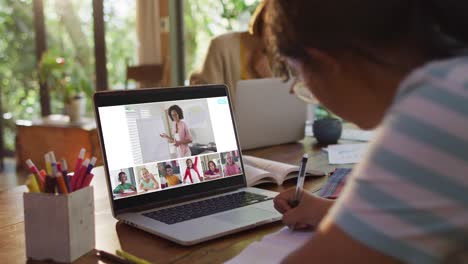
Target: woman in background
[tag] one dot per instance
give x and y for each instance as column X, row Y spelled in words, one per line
column 182, row 136
column 236, row 56
column 400, row 65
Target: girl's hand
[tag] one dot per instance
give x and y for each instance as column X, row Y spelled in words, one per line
column 307, row 214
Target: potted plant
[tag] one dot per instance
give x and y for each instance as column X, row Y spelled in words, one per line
column 327, row 127
column 76, row 89
column 67, row 82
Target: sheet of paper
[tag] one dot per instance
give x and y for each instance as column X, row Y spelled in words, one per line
column 272, row 248
column 308, row 130
column 357, row 134
column 346, row 153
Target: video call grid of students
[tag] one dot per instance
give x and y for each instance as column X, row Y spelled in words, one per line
column 190, row 126
column 164, row 175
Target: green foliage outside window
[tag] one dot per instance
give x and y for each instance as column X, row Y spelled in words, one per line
column 65, row 79
column 18, row 86
column 69, row 29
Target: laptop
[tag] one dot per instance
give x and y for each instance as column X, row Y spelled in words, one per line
column 159, row 186
column 265, row 107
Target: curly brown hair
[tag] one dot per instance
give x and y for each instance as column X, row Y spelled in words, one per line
column 178, row 111
column 437, row 28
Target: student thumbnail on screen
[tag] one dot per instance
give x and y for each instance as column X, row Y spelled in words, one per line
column 123, row 183
column 231, row 163
column 211, row 167
column 192, row 170
column 169, row 174
column 148, row 177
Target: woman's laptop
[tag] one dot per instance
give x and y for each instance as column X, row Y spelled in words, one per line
column 265, row 107
column 151, row 183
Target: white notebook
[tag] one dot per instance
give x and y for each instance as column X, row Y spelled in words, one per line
column 272, row 248
column 346, row 153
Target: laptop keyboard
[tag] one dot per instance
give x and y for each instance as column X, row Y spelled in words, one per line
column 202, row 208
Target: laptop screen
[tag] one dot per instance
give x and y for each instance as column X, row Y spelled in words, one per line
column 163, row 144
column 157, row 147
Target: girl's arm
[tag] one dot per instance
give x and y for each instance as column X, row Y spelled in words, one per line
column 118, row 189
column 156, row 184
column 187, row 172
column 238, row 168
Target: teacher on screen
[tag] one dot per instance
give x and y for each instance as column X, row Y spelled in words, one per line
column 181, row 133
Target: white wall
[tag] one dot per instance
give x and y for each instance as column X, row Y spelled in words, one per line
column 116, row 137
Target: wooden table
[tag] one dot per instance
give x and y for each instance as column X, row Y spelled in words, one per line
column 111, row 235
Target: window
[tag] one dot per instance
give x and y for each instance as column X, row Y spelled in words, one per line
column 18, row 84
column 69, row 36
column 205, row 19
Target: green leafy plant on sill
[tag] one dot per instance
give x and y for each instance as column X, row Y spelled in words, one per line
column 322, row 112
column 65, row 79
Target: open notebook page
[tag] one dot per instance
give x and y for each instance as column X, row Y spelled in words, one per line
column 276, row 167
column 272, row 248
column 256, row 175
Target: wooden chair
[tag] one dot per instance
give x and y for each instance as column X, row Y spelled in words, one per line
column 148, row 75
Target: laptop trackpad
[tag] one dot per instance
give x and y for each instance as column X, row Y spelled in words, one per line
column 246, row 215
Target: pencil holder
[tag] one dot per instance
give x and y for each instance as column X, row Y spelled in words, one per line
column 59, row 227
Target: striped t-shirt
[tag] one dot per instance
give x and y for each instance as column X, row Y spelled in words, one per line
column 409, row 197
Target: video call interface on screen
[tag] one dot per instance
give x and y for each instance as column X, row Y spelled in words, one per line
column 154, row 147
